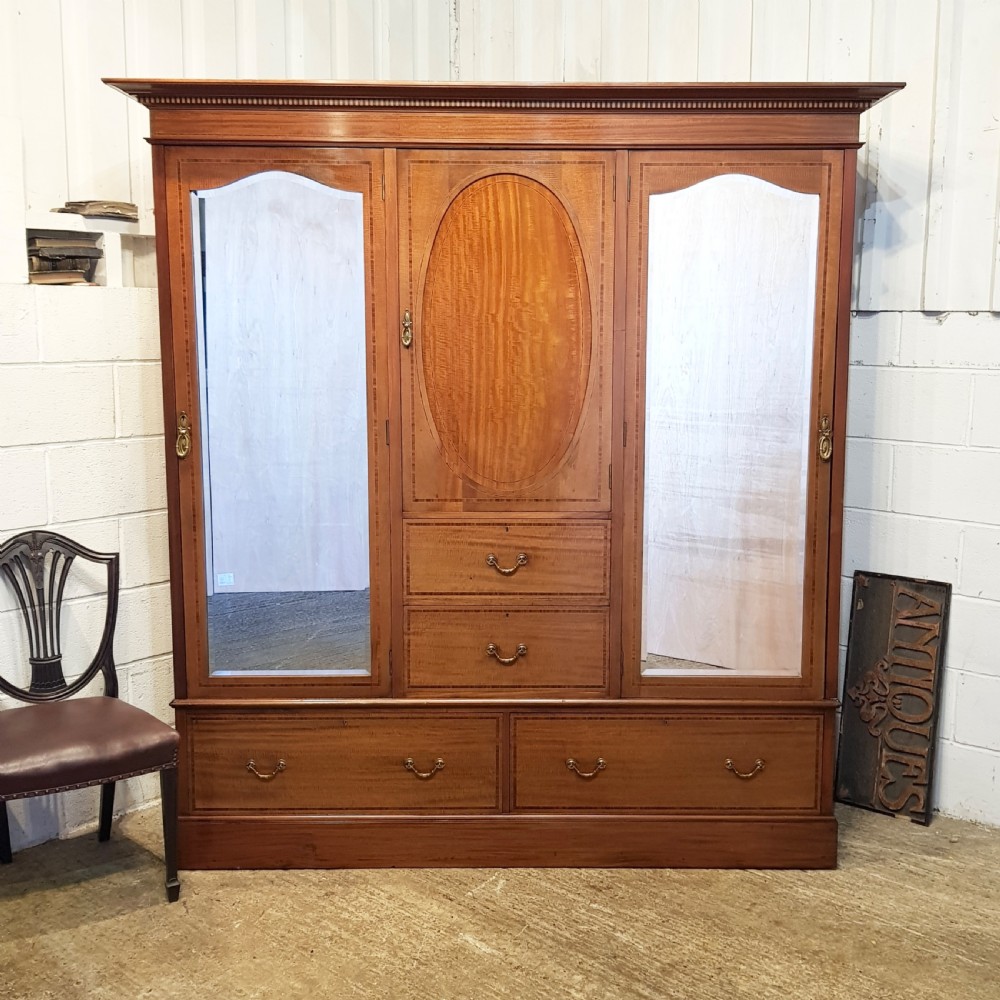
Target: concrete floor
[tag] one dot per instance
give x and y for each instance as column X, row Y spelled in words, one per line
column 911, row 913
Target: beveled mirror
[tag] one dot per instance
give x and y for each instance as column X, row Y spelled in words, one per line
column 280, row 306
column 731, row 298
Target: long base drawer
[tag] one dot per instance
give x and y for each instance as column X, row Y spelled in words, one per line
column 344, row 761
column 683, row 762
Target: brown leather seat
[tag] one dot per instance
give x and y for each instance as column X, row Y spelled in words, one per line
column 58, row 742
column 99, row 739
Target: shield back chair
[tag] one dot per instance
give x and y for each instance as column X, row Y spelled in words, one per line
column 57, row 742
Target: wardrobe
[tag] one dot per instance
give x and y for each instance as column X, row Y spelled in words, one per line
column 505, row 434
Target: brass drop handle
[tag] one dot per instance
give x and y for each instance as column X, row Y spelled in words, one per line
column 183, row 446
column 825, row 446
column 758, row 766
column 407, row 335
column 521, row 560
column 424, row 775
column 279, row 767
column 598, row 767
column 493, row 650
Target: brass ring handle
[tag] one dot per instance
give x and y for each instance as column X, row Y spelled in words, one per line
column 521, row 560
column 825, row 445
column 493, row 650
column 183, row 445
column 410, row 766
column 598, row 767
column 279, row 767
column 758, row 766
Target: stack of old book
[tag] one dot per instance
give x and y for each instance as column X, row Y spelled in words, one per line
column 62, row 257
column 102, row 209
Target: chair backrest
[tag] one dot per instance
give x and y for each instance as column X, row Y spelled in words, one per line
column 36, row 565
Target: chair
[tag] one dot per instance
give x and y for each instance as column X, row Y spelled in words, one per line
column 58, row 742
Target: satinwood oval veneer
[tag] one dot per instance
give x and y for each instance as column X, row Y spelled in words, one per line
column 506, row 332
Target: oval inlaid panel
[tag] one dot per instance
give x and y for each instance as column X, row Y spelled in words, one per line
column 505, row 333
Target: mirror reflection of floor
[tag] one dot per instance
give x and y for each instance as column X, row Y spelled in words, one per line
column 657, row 663
column 298, row 631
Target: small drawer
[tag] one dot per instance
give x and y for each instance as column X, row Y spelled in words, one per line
column 667, row 762
column 498, row 652
column 567, row 558
column 345, row 762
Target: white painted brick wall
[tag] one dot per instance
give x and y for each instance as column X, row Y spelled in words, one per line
column 85, row 408
column 81, row 451
column 923, row 499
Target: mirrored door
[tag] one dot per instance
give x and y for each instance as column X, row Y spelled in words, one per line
column 732, row 353
column 283, row 572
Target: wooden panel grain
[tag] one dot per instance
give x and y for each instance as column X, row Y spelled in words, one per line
column 671, row 762
column 346, row 762
column 594, row 130
column 562, row 558
column 505, row 339
column 506, row 387
column 523, row 841
column 447, row 653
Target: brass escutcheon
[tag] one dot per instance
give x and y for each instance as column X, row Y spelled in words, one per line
column 825, row 439
column 183, row 446
column 407, row 335
column 758, row 766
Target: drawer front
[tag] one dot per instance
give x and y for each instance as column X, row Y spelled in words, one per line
column 449, row 652
column 345, row 762
column 535, row 559
column 667, row 762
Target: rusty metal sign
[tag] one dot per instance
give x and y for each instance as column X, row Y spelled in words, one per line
column 889, row 712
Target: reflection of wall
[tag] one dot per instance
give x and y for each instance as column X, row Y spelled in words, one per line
column 284, row 373
column 731, row 300
column 924, row 459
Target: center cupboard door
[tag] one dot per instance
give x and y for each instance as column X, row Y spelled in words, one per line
column 733, row 276
column 506, row 282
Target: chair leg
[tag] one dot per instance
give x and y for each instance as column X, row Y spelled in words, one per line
column 168, row 805
column 5, row 856
column 107, row 810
